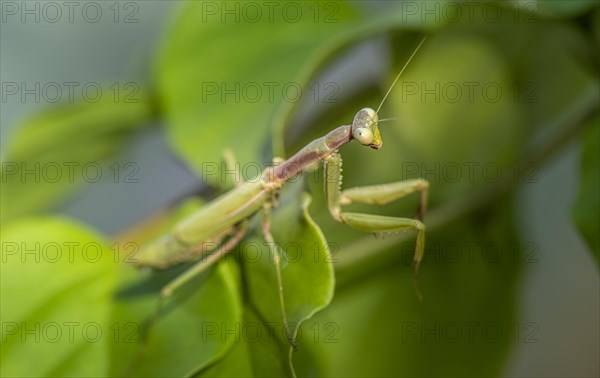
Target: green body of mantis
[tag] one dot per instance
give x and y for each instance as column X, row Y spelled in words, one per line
column 223, row 222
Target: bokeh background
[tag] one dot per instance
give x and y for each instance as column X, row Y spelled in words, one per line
column 547, row 304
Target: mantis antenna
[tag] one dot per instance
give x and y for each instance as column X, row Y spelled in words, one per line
column 388, row 119
column 402, row 70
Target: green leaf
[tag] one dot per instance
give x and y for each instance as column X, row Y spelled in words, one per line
column 61, row 307
column 57, row 284
column 586, row 211
column 307, row 267
column 257, row 350
column 238, row 360
column 307, row 275
column 182, row 339
column 62, row 147
column 225, row 82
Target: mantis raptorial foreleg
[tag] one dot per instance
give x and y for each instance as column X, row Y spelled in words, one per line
column 382, row 194
column 379, row 195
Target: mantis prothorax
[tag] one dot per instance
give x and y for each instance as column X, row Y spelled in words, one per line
column 223, row 222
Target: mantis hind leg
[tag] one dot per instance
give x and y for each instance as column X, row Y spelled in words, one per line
column 376, row 195
column 237, row 234
column 207, row 261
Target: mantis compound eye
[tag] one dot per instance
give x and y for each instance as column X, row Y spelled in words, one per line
column 363, row 135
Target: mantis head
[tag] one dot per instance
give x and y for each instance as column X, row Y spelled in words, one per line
column 365, row 129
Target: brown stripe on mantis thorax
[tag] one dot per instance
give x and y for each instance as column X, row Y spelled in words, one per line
column 311, row 153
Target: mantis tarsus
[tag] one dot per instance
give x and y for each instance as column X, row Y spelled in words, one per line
column 224, row 221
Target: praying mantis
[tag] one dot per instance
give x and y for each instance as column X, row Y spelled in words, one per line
column 216, row 229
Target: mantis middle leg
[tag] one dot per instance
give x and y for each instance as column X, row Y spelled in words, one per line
column 266, row 230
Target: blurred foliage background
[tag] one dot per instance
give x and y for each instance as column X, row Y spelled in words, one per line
column 498, row 110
